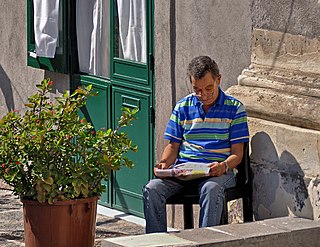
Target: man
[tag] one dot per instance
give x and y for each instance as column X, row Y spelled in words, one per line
column 207, row 126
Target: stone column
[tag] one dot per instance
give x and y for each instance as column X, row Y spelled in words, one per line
column 281, row 92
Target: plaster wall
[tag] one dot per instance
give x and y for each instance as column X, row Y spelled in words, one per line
column 17, row 80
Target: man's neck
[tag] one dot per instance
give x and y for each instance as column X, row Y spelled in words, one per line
column 207, row 107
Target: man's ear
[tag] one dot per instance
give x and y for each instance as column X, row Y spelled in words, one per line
column 218, row 79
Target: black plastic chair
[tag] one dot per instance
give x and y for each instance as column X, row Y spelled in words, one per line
column 242, row 190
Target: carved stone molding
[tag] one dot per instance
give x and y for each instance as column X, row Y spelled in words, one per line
column 282, row 84
column 278, row 101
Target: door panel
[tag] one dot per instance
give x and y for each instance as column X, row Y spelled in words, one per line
column 128, row 183
column 133, row 70
column 132, row 42
column 97, row 111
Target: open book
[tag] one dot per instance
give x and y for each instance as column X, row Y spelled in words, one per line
column 185, row 171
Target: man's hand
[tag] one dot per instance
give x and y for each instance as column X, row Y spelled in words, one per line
column 161, row 165
column 217, row 169
column 169, row 156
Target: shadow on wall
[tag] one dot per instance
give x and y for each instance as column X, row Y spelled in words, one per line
column 6, row 88
column 279, row 187
column 288, row 21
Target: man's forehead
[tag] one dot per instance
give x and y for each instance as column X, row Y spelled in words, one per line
column 206, row 79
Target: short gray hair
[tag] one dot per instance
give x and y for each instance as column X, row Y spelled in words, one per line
column 200, row 65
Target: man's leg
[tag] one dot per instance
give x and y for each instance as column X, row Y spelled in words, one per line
column 155, row 194
column 211, row 193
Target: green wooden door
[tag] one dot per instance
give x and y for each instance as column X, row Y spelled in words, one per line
column 130, row 84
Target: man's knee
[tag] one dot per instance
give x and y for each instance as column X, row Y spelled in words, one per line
column 153, row 184
column 150, row 188
column 211, row 188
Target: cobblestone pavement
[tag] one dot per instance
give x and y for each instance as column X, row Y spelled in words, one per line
column 11, row 223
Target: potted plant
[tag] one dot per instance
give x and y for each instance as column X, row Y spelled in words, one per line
column 52, row 158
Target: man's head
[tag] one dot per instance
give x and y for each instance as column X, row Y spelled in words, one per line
column 203, row 73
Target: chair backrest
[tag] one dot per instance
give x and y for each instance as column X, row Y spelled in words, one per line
column 244, row 170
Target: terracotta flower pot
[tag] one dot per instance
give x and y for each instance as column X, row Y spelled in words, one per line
column 62, row 224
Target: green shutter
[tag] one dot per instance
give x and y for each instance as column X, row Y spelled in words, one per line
column 60, row 62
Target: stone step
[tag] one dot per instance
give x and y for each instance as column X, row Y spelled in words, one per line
column 285, row 231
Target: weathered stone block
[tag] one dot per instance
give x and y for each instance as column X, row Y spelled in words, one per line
column 286, row 165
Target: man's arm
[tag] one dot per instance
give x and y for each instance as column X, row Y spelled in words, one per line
column 217, row 169
column 169, row 155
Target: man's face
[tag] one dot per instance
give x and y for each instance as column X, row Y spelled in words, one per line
column 206, row 88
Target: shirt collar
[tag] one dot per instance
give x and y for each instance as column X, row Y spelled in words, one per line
column 221, row 98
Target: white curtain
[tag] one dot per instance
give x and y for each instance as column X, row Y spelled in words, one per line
column 46, row 14
column 93, row 35
column 132, row 29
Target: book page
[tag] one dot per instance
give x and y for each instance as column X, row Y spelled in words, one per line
column 185, row 171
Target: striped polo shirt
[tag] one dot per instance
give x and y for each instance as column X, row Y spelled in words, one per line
column 207, row 137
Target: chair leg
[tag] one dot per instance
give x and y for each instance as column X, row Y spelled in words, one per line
column 247, row 209
column 188, row 216
column 224, row 215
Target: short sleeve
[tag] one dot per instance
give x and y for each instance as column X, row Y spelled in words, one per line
column 174, row 130
column 239, row 131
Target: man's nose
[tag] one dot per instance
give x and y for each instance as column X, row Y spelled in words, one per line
column 202, row 93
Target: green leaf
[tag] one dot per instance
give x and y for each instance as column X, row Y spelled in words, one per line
column 77, row 189
column 89, row 87
column 50, row 200
column 84, row 191
column 41, row 198
column 47, row 187
column 48, row 180
column 30, row 105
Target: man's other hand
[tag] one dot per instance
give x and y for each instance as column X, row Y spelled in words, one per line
column 217, row 169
